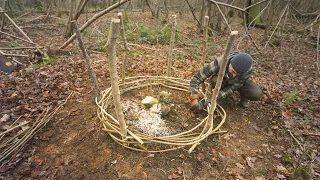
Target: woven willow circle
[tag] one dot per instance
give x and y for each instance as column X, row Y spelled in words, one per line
column 134, row 139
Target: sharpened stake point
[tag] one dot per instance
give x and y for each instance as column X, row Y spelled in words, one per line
column 234, row 33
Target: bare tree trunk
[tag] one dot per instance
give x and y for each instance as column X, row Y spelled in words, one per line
column 166, row 20
column 269, row 19
column 205, row 40
column 49, row 10
column 152, row 12
column 143, row 4
column 69, row 25
column 172, row 39
column 80, row 6
column 3, row 19
column 59, row 5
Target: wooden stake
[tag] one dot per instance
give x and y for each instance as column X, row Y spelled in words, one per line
column 205, row 40
column 115, row 25
column 204, row 47
column 223, row 66
column 172, row 39
column 125, row 44
column 221, row 74
column 85, row 54
column 123, row 33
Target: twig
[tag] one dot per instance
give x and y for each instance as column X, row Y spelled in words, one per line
column 246, row 28
column 310, row 25
column 192, row 11
column 4, row 54
column 16, row 37
column 302, row 149
column 20, row 30
column 254, row 5
column 284, row 10
column 311, row 134
column 16, row 55
column 41, row 121
column 224, row 17
column 318, row 62
column 131, row 44
column 12, row 125
column 25, row 14
column 13, row 128
column 16, row 48
column 228, row 5
column 261, row 12
column 224, row 168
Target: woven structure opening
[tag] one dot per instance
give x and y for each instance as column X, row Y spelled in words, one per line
column 137, row 140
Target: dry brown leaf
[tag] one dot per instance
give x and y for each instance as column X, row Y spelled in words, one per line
column 282, row 169
column 240, row 166
column 249, row 162
column 260, row 178
column 5, row 118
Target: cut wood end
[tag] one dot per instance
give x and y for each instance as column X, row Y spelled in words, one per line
column 233, row 33
column 115, row 20
column 174, row 16
column 119, row 13
column 206, row 17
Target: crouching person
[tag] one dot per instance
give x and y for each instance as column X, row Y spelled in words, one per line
column 236, row 78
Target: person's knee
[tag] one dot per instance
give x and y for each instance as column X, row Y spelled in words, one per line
column 256, row 94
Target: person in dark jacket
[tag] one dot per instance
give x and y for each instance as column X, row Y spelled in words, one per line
column 236, row 78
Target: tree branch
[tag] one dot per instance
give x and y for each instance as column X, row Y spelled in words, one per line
column 228, row 5
column 91, row 20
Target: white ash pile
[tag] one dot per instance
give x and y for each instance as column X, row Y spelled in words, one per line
column 147, row 121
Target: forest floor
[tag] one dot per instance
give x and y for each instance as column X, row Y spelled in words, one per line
column 275, row 138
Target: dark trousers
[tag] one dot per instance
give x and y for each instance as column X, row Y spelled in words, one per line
column 250, row 91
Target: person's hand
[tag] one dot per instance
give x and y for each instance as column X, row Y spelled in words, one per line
column 196, row 105
column 209, row 100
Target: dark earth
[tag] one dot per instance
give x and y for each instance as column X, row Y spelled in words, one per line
column 275, row 138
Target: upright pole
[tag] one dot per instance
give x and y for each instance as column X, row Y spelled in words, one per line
column 88, row 60
column 205, row 40
column 172, row 39
column 122, row 31
column 209, row 123
column 115, row 25
column 204, row 46
column 2, row 15
column 125, row 44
